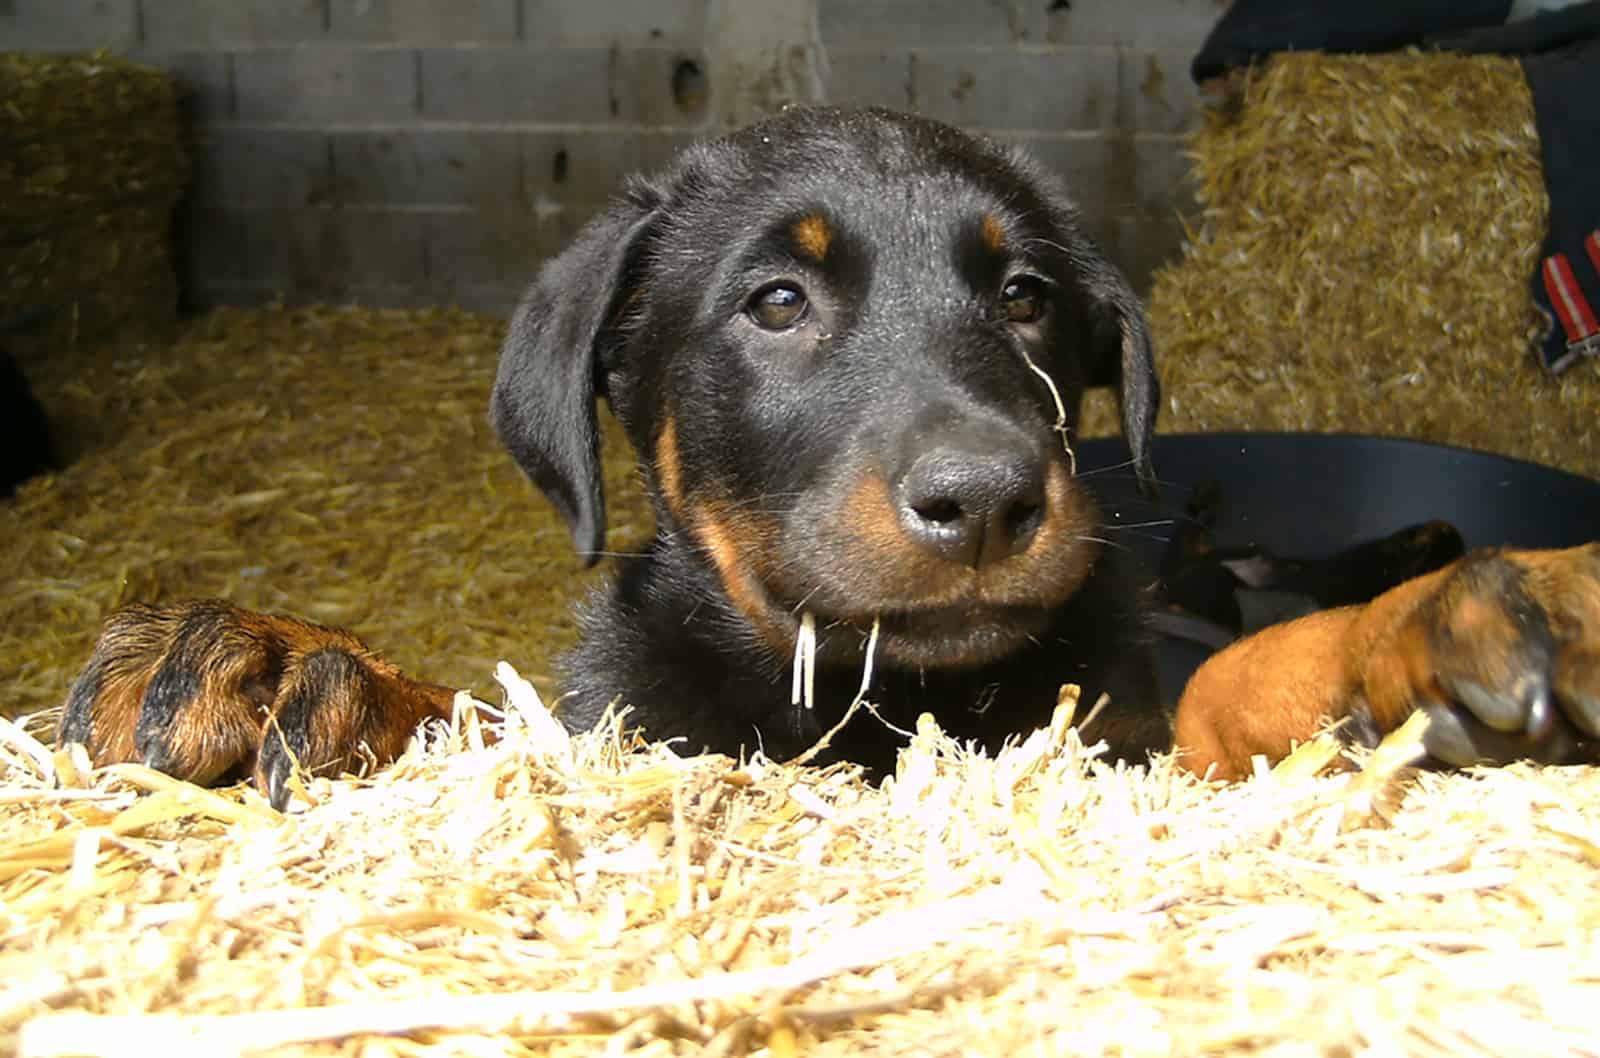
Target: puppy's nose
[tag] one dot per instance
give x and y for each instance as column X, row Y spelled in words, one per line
column 973, row 503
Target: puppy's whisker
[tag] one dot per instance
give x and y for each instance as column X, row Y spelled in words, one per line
column 1122, row 527
column 1123, row 464
column 1121, row 471
column 799, row 606
column 1039, row 242
column 759, row 502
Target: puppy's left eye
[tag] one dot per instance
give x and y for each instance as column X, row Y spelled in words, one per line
column 777, row 307
column 1023, row 299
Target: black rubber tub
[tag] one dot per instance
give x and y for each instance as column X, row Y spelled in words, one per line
column 1316, row 494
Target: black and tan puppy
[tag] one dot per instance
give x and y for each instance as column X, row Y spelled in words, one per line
column 836, row 341
column 848, row 347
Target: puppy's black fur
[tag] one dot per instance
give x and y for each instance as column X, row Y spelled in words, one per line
column 826, row 337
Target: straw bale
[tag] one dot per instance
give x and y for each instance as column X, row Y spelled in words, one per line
column 1363, row 262
column 103, row 269
column 56, row 172
column 45, row 93
column 556, row 896
column 91, row 164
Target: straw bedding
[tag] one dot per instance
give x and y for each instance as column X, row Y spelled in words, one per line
column 333, row 463
column 552, row 896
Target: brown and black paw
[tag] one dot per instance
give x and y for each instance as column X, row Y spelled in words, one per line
column 1502, row 653
column 208, row 692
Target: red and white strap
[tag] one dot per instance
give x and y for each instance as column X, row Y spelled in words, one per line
column 1566, row 297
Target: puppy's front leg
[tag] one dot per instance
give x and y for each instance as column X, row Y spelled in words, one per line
column 208, row 692
column 1501, row 649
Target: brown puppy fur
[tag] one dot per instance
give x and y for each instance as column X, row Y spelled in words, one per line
column 1514, row 633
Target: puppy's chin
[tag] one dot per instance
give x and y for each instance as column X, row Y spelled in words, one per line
column 944, row 638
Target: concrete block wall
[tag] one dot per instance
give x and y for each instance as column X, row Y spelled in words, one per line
column 433, row 151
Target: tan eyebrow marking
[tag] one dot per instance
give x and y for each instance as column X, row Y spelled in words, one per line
column 994, row 237
column 813, row 235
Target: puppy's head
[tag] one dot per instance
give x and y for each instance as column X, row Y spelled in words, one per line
column 849, row 347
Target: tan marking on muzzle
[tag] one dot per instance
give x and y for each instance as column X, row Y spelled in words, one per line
column 874, row 519
column 734, row 546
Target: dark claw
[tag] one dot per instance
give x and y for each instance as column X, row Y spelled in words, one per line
column 1446, row 738
column 277, row 782
column 1499, row 711
column 275, row 764
column 1515, row 709
column 1542, row 720
column 154, row 755
column 1456, row 738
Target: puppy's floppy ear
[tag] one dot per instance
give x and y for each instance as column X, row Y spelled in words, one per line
column 543, row 405
column 1120, row 355
column 1116, row 338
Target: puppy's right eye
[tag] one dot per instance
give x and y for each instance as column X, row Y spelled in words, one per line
column 1023, row 299
column 777, row 307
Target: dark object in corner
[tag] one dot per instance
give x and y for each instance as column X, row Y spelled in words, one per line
column 1249, row 31
column 25, row 442
column 1565, row 84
